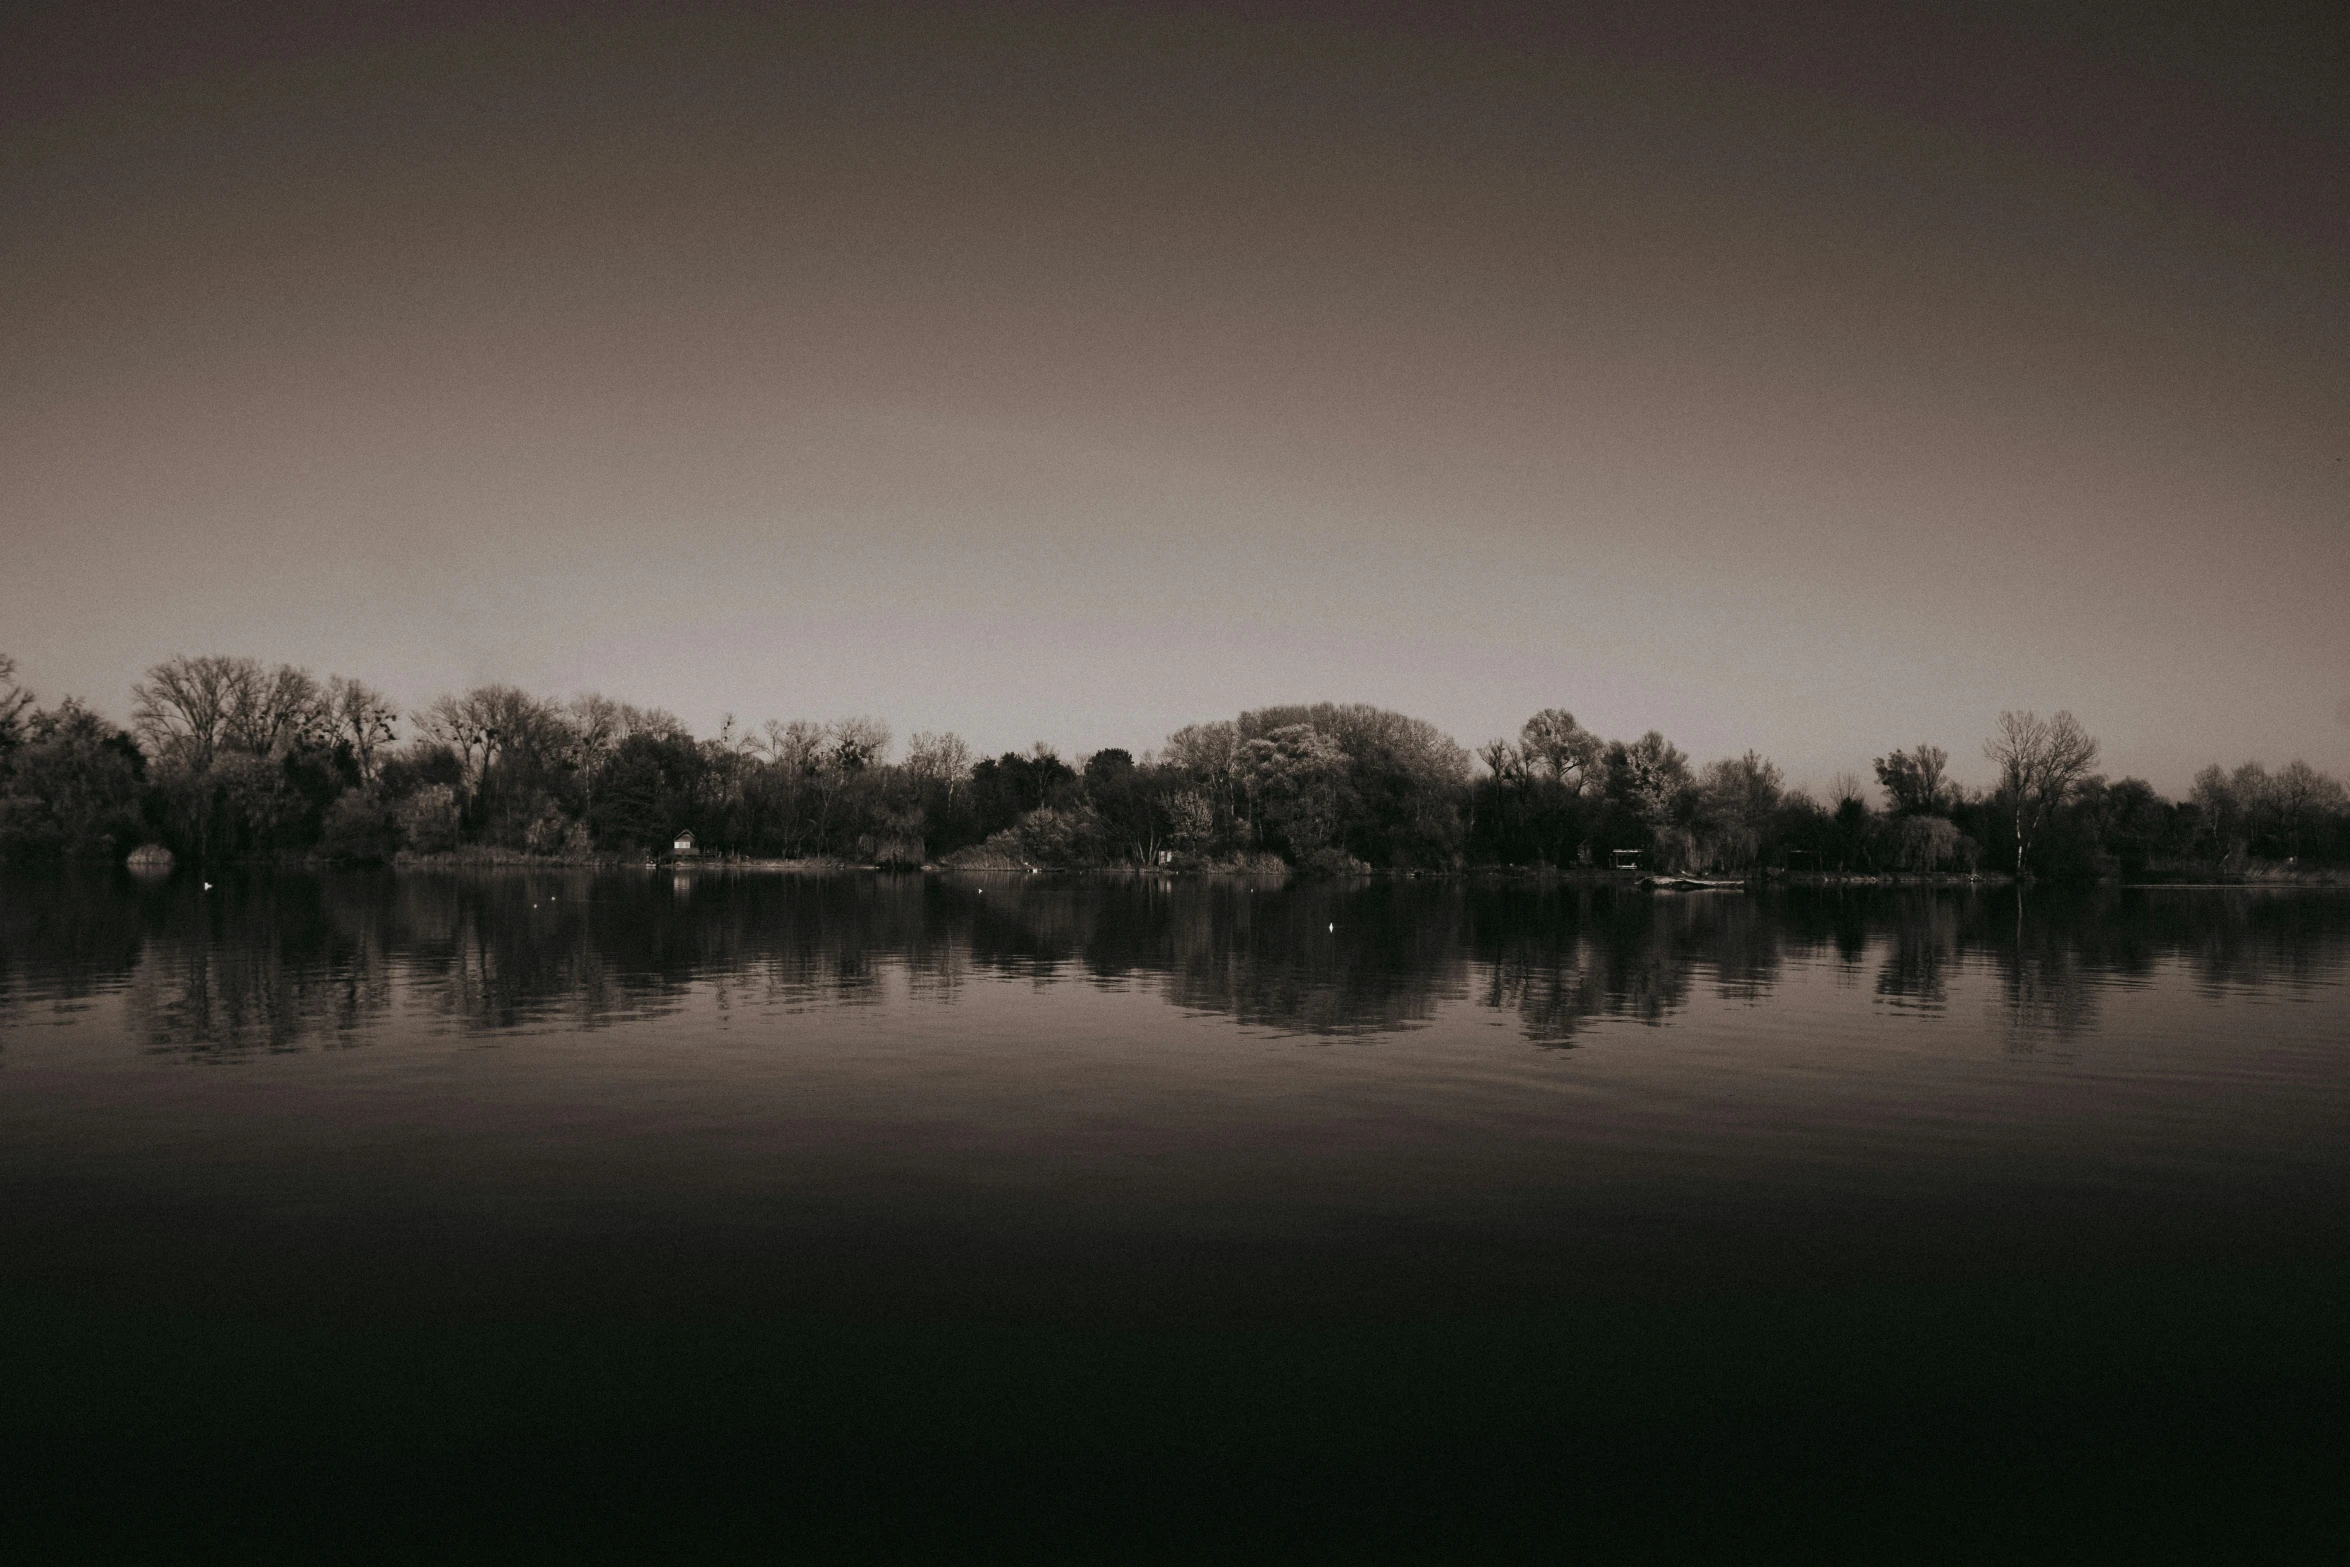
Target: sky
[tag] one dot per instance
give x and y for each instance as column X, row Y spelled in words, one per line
column 1819, row 382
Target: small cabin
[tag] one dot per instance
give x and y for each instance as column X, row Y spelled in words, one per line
column 685, row 848
column 1627, row 859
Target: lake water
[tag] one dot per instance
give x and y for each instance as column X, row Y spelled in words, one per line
column 640, row 1215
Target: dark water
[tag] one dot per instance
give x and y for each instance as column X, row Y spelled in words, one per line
column 638, row 1217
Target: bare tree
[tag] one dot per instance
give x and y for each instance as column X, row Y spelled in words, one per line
column 454, row 721
column 2215, row 804
column 733, row 741
column 2255, row 794
column 184, row 707
column 859, row 743
column 2040, row 763
column 358, row 715
column 796, row 747
column 595, row 726
column 1933, row 764
column 490, row 723
column 587, row 730
column 1505, row 761
column 1738, row 795
column 277, row 710
column 2302, row 796
column 15, row 702
column 943, row 759
column 1203, row 751
column 193, row 709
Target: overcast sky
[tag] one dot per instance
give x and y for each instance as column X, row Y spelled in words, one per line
column 1819, row 384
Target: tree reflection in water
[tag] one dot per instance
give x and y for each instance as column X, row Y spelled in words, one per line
column 291, row 961
column 1922, row 951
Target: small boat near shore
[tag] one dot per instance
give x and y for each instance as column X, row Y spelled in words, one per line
column 1688, row 884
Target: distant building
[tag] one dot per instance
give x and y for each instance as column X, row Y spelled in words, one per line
column 1627, row 859
column 684, row 847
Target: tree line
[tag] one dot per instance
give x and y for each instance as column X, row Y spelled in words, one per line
column 226, row 758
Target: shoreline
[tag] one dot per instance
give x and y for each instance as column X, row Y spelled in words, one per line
column 475, row 860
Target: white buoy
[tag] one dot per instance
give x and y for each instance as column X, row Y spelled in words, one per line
column 1334, row 927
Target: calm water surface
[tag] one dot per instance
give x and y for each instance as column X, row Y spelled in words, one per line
column 1028, row 1215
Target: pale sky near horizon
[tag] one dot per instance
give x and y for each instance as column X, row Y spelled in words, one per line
column 1819, row 383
